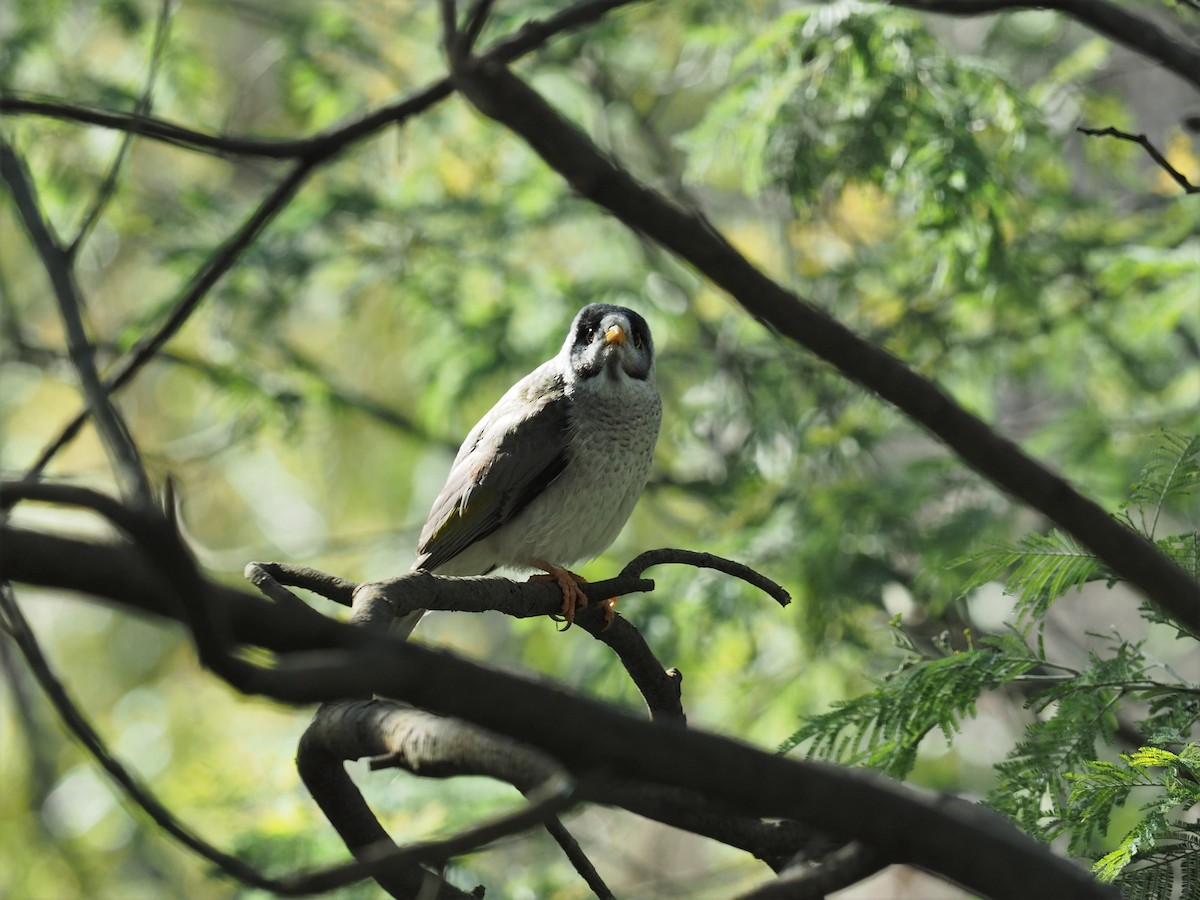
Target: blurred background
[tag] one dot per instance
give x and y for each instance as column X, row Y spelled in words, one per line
column 919, row 178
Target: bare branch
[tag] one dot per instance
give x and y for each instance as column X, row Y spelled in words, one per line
column 122, row 451
column 502, row 96
column 310, row 153
column 109, row 185
column 422, row 590
column 1178, row 177
column 843, row 867
column 126, row 781
column 946, row 835
column 650, row 558
column 532, row 35
column 210, row 272
column 1117, row 23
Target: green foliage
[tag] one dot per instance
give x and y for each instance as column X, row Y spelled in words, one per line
column 883, row 729
column 1055, row 781
column 931, row 194
column 1040, row 568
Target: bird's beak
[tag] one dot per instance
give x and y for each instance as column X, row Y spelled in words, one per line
column 615, row 335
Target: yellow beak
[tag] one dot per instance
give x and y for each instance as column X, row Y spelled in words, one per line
column 615, row 335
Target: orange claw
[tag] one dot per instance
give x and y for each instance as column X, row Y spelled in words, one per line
column 569, row 583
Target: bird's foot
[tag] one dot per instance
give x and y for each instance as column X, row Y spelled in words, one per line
column 569, row 583
column 610, row 612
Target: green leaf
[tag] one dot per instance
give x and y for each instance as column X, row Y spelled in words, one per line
column 1173, row 470
column 1043, row 568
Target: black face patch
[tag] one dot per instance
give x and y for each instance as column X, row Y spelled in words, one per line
column 586, row 329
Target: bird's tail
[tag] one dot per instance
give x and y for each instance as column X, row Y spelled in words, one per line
column 403, row 626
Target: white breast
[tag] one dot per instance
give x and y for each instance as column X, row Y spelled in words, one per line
column 614, row 428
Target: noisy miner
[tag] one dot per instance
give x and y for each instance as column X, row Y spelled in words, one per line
column 548, row 477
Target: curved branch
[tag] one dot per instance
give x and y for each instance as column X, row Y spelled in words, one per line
column 650, row 558
column 1153, row 152
column 500, row 95
column 946, row 835
column 393, row 598
column 1116, row 23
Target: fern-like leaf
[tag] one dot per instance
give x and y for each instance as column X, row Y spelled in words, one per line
column 883, row 728
column 1173, row 470
column 1038, row 570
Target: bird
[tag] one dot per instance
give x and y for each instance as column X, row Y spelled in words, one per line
column 550, row 474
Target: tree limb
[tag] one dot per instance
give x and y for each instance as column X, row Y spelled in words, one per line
column 1117, row 23
column 1155, row 154
column 59, row 265
column 500, row 95
column 946, row 835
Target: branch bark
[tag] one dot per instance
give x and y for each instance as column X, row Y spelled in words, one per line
column 946, row 835
column 1117, row 23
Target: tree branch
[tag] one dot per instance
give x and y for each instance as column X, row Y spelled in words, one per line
column 500, row 95
column 395, row 597
column 109, row 185
column 1117, row 23
column 946, row 835
column 309, row 153
column 1161, row 161
column 532, row 35
column 843, row 867
column 119, row 444
column 128, row 784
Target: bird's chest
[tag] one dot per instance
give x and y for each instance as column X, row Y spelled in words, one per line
column 611, row 446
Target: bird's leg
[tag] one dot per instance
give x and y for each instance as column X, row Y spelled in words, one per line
column 569, row 583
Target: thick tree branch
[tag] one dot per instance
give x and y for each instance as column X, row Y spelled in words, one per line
column 502, row 96
column 1117, row 23
column 424, row 744
column 946, row 835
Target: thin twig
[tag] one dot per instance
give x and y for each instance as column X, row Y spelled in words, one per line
column 668, row 555
column 814, row 881
column 109, row 185
column 1161, row 161
column 122, row 451
column 476, row 20
column 578, row 858
column 270, row 578
column 68, row 710
column 532, row 35
column 310, row 153
column 208, row 275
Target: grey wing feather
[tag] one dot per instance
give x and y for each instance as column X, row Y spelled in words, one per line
column 509, row 458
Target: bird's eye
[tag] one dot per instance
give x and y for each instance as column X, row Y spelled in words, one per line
column 637, row 342
column 590, row 333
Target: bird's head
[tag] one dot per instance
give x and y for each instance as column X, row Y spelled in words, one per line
column 610, row 341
